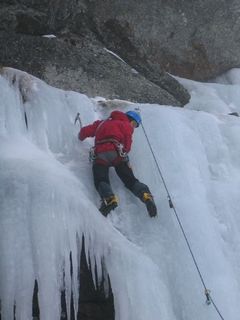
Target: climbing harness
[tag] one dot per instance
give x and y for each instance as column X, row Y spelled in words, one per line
column 209, row 299
column 119, row 148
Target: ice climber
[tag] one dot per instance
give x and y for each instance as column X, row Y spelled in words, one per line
column 113, row 140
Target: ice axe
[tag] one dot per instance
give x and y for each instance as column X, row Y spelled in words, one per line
column 77, row 118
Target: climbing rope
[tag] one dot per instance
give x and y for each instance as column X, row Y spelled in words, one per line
column 209, row 299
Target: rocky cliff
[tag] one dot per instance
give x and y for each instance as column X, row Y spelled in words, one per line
column 152, row 39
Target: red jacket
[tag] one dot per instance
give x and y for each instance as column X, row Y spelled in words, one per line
column 116, row 127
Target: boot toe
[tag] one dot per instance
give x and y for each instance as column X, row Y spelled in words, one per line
column 151, row 208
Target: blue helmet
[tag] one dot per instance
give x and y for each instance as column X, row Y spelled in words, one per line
column 133, row 115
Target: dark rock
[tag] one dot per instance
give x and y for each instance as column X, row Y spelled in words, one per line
column 137, row 80
column 197, row 40
column 50, row 16
column 193, row 39
column 82, row 64
column 236, row 114
column 93, row 303
column 31, row 24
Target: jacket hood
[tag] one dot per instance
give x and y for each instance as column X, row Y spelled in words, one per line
column 118, row 115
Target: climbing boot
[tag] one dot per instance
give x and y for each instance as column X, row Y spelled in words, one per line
column 108, row 204
column 147, row 198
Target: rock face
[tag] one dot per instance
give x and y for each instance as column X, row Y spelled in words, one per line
column 77, row 59
column 83, row 66
column 193, row 39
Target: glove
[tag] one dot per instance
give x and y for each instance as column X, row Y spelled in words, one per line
column 80, row 137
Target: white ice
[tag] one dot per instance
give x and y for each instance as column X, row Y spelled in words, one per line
column 48, row 201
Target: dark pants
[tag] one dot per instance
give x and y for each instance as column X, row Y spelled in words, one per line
column 125, row 173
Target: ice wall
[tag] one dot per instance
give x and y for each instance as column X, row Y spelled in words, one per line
column 47, row 201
